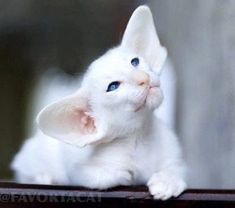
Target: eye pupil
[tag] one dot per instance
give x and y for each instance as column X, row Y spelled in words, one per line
column 135, row 62
column 113, row 86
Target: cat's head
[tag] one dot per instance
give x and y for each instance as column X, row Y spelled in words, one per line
column 118, row 91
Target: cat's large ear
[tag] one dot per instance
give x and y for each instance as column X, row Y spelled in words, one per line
column 70, row 120
column 141, row 37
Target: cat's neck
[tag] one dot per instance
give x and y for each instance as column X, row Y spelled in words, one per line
column 126, row 126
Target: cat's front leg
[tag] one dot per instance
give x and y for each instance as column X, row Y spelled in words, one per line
column 97, row 177
column 166, row 184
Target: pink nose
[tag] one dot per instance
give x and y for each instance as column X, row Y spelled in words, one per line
column 141, row 78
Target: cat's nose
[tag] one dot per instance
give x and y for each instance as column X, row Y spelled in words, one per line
column 141, row 78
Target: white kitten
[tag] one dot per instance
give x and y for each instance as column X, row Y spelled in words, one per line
column 111, row 117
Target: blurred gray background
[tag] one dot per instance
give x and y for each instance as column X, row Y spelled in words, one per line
column 200, row 36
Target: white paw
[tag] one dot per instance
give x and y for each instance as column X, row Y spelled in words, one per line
column 125, row 177
column 163, row 186
column 118, row 178
column 97, row 178
column 42, row 178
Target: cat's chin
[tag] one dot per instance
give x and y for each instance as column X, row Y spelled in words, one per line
column 154, row 98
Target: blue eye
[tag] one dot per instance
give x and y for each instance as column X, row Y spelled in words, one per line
column 135, row 62
column 113, row 86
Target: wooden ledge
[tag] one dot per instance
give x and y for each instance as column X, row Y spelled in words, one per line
column 18, row 195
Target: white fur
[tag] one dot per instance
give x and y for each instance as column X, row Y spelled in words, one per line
column 123, row 142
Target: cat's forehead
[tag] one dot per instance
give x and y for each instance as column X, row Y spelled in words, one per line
column 115, row 62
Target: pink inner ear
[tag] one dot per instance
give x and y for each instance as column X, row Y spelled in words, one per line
column 84, row 122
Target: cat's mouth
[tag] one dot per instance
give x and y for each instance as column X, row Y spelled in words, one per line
column 148, row 92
